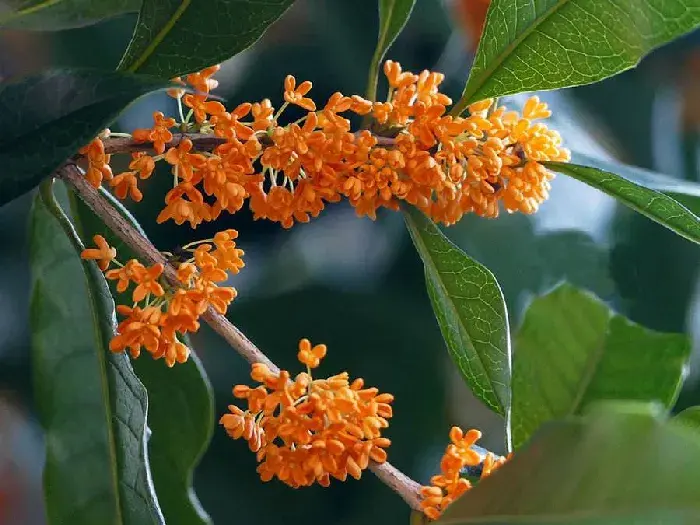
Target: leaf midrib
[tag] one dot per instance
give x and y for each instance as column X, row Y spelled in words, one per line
column 160, row 36
column 507, row 51
column 451, row 305
column 13, row 15
column 588, row 373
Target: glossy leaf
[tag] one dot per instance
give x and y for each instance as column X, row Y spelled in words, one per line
column 47, row 117
column 393, row 15
column 47, row 15
column 651, row 203
column 549, row 44
column 91, row 405
column 181, row 404
column 173, row 37
column 685, row 192
column 571, row 350
column 613, row 467
column 690, row 417
column 470, row 310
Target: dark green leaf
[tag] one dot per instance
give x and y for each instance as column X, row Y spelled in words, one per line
column 470, row 310
column 612, row 467
column 685, row 192
column 571, row 350
column 173, row 37
column 690, row 418
column 181, row 404
column 47, row 15
column 549, row 44
column 658, row 206
column 393, row 15
column 92, row 406
column 46, row 118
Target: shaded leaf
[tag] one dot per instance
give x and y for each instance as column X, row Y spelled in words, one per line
column 173, row 37
column 571, row 350
column 470, row 310
column 181, row 404
column 393, row 15
column 46, row 15
column 690, row 417
column 655, row 205
column 549, row 44
column 92, row 406
column 47, row 117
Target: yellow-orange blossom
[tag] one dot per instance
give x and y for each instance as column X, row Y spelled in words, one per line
column 307, row 430
column 446, row 166
column 160, row 312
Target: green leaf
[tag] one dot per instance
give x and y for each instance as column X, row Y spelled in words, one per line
column 690, row 418
column 571, row 350
column 611, row 467
column 174, row 37
column 47, row 117
column 393, row 15
column 92, row 406
column 54, row 15
column 181, row 404
column 657, row 206
column 470, row 310
column 685, row 192
column 549, row 44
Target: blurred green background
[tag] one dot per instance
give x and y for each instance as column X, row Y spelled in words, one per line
column 357, row 285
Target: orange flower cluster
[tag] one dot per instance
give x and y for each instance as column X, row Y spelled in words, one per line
column 307, row 430
column 160, row 312
column 447, row 486
column 415, row 152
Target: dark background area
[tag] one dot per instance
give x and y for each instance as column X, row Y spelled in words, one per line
column 357, row 285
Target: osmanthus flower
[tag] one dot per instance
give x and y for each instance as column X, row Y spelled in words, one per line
column 294, row 94
column 159, row 134
column 104, row 254
column 159, row 312
column 98, row 161
column 305, row 430
column 449, row 485
column 482, row 162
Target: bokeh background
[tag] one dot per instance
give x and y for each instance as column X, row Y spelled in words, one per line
column 357, row 285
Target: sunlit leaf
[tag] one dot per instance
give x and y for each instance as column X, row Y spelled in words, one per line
column 690, row 417
column 546, row 44
column 572, row 350
column 615, row 466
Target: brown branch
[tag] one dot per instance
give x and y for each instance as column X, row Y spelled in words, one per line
column 70, row 173
column 200, row 141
